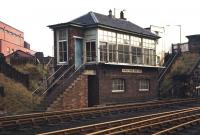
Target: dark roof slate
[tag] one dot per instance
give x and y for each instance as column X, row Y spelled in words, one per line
column 93, row 18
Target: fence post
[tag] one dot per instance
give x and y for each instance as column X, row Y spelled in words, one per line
column 2, row 92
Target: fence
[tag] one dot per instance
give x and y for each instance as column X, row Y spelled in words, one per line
column 11, row 72
column 21, row 60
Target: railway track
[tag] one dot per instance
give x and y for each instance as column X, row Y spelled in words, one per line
column 118, row 125
column 37, row 119
column 178, row 128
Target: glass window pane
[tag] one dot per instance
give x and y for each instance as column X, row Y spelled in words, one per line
column 118, row 85
column 144, row 85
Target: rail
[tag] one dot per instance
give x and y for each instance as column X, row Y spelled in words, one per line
column 105, row 125
column 178, row 127
column 144, row 126
column 36, row 118
column 157, row 125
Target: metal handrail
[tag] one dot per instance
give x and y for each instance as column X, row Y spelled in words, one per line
column 46, row 80
column 81, row 66
column 165, row 70
column 66, row 71
column 49, row 62
column 71, row 74
column 67, row 80
column 49, row 78
column 56, row 70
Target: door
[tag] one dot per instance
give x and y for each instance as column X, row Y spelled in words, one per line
column 78, row 52
column 93, row 91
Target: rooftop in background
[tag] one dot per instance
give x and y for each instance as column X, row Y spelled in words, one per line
column 193, row 37
column 12, row 39
column 93, row 19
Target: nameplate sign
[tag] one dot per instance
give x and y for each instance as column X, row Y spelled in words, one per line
column 89, row 72
column 131, row 71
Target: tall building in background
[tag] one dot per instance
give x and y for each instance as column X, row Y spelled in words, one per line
column 12, row 39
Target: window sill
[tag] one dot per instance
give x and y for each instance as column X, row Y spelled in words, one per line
column 62, row 63
column 117, row 91
column 143, row 90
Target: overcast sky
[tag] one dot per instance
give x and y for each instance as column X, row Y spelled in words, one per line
column 32, row 16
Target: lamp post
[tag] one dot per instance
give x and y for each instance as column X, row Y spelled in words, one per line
column 179, row 30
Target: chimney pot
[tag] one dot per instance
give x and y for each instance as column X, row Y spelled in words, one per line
column 110, row 13
column 122, row 15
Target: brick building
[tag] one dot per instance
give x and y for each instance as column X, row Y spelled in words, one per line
column 116, row 57
column 12, row 39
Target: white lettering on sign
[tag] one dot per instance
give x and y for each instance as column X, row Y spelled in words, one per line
column 131, row 70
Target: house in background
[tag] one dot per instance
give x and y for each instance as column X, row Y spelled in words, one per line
column 12, row 39
column 191, row 46
column 20, row 57
column 115, row 58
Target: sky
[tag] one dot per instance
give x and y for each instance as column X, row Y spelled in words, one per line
column 33, row 16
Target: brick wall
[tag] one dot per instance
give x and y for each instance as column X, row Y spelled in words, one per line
column 12, row 47
column 11, row 40
column 11, row 34
column 132, row 93
column 72, row 31
column 74, row 96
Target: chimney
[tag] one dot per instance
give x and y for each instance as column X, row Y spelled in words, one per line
column 110, row 13
column 122, row 15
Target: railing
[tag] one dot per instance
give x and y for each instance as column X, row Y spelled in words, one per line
column 49, row 62
column 40, row 90
column 41, row 87
column 66, row 82
column 58, row 85
column 59, row 78
column 168, row 64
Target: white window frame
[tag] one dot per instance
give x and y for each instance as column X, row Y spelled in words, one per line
column 119, row 38
column 57, row 47
column 140, row 85
column 90, row 41
column 118, row 90
column 103, row 51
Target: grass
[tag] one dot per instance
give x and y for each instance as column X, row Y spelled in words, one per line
column 18, row 99
column 36, row 74
column 182, row 65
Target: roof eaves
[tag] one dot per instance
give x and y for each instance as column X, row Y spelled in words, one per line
column 64, row 25
column 122, row 30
